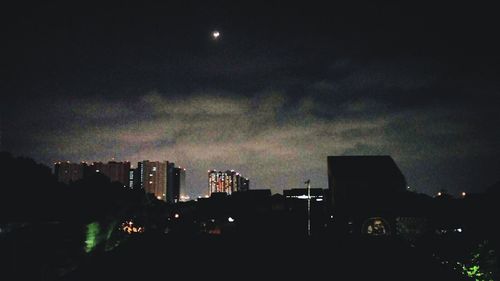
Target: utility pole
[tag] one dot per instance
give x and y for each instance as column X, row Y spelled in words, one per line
column 308, row 182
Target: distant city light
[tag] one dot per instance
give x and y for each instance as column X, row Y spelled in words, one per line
column 158, row 197
column 176, row 215
column 459, row 230
column 439, row 194
column 230, row 219
column 129, row 228
column 463, row 194
column 215, row 34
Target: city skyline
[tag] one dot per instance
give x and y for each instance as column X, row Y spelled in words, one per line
column 270, row 96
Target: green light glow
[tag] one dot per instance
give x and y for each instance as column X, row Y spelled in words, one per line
column 91, row 237
column 110, row 243
column 474, row 271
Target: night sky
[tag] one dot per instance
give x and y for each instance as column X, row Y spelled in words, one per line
column 283, row 87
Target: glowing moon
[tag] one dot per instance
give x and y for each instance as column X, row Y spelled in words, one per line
column 215, row 34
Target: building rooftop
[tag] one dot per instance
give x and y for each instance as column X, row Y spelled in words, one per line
column 364, row 167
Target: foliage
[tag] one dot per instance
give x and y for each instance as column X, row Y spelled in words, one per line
column 482, row 265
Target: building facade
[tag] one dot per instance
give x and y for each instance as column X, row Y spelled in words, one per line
column 115, row 171
column 226, row 182
column 178, row 184
column 162, row 179
column 67, row 172
column 365, row 193
column 153, row 178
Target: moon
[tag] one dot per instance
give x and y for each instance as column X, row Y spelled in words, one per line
column 215, row 34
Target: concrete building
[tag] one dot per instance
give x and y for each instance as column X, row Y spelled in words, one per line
column 153, row 178
column 226, row 182
column 115, row 171
column 162, row 179
column 365, row 193
column 67, row 172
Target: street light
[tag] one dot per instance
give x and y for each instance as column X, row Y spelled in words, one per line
column 308, row 182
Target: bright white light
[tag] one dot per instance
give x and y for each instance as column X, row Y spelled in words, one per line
column 331, row 216
column 319, row 199
column 459, row 229
column 176, row 216
column 215, row 34
column 159, row 197
column 230, row 219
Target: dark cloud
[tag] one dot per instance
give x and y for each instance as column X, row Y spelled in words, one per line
column 285, row 87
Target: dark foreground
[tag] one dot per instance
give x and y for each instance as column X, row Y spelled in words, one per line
column 159, row 257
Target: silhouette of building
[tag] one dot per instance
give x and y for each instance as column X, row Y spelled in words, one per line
column 178, row 184
column 115, row 171
column 365, row 192
column 67, row 172
column 243, row 184
column 170, row 183
column 227, row 182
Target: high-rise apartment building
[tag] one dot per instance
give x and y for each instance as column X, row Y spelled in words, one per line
column 67, row 172
column 227, row 182
column 162, row 179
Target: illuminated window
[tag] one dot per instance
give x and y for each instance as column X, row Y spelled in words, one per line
column 154, row 169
